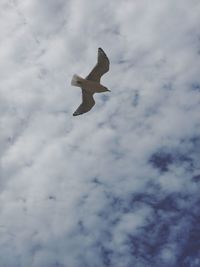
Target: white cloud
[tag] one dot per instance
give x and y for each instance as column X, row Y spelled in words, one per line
column 83, row 191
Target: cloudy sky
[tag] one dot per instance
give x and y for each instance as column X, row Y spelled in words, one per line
column 118, row 186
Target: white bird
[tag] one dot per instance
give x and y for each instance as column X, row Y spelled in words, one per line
column 91, row 84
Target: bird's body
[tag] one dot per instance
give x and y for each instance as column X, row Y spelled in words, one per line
column 91, row 84
column 88, row 85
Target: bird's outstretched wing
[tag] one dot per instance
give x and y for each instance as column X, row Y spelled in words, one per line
column 101, row 67
column 87, row 103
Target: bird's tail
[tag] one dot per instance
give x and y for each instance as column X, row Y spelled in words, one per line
column 76, row 80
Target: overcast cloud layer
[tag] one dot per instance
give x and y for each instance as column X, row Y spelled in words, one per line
column 118, row 186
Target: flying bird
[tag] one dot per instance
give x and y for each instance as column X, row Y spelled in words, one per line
column 91, row 84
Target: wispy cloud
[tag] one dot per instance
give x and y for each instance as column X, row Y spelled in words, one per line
column 118, row 186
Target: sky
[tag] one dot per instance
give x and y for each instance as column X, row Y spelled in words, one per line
column 119, row 185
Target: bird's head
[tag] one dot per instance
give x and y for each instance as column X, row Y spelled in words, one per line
column 106, row 89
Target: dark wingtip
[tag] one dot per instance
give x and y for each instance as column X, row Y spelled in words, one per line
column 101, row 50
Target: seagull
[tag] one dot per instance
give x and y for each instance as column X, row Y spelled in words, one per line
column 91, row 84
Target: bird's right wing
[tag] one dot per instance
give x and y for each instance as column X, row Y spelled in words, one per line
column 87, row 103
column 101, row 67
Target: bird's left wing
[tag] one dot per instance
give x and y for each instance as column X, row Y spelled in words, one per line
column 87, row 103
column 101, row 67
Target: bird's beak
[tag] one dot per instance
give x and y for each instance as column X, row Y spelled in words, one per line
column 108, row 90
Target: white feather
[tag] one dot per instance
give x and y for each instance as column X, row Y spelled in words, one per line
column 76, row 80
